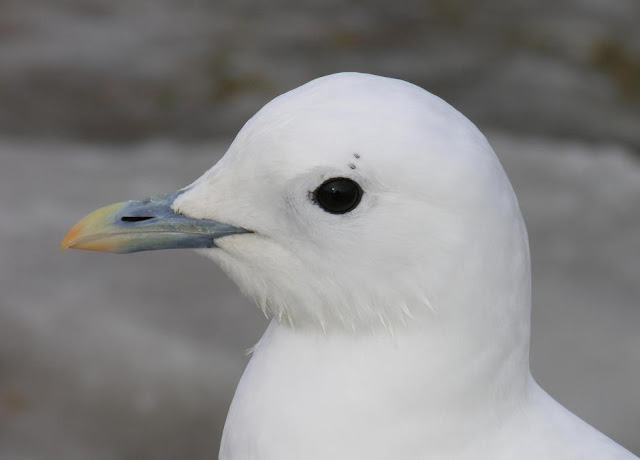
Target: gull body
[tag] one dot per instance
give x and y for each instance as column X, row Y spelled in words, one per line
column 400, row 327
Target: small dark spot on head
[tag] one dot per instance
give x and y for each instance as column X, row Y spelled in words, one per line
column 352, row 166
column 356, row 155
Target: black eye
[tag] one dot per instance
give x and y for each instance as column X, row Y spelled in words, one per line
column 338, row 195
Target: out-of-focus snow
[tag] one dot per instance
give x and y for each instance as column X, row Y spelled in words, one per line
column 130, row 357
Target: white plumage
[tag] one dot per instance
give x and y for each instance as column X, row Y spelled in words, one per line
column 401, row 328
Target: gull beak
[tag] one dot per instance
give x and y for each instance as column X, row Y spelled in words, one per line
column 144, row 225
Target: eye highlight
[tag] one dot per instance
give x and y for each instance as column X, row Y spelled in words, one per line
column 338, row 195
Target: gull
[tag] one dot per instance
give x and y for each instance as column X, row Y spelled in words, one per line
column 377, row 228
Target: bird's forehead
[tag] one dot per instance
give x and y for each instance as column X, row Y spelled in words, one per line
column 307, row 140
column 322, row 137
column 364, row 127
column 333, row 118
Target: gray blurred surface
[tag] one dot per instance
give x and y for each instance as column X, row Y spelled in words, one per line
column 131, row 357
column 127, row 69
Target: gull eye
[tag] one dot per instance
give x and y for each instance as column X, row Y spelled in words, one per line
column 338, row 195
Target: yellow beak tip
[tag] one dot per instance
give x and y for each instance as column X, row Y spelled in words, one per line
column 65, row 244
column 71, row 237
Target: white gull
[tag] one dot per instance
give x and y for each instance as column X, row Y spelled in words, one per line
column 375, row 225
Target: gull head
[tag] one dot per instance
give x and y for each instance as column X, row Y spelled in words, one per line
column 352, row 202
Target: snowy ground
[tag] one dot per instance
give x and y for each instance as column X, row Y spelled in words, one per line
column 132, row 357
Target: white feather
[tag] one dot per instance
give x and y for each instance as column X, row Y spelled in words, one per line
column 358, row 363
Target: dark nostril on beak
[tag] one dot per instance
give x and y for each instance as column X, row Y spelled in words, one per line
column 135, row 218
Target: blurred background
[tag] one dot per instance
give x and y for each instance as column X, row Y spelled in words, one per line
column 131, row 357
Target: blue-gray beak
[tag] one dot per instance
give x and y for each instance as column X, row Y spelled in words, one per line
column 144, row 225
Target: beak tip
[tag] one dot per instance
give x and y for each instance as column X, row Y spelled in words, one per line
column 71, row 237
